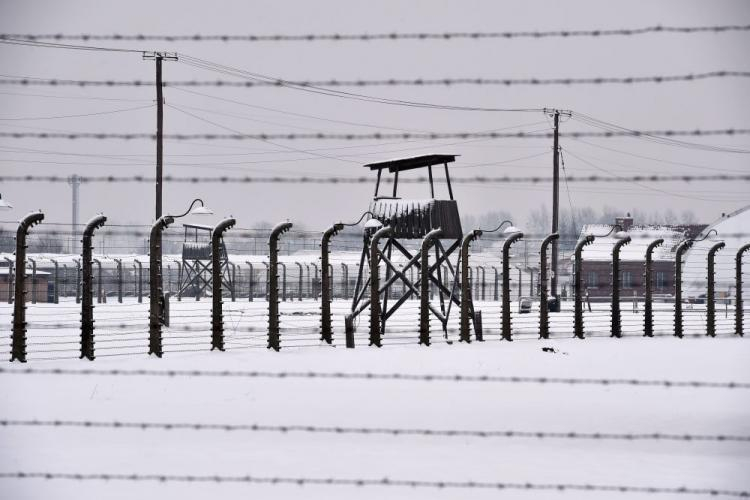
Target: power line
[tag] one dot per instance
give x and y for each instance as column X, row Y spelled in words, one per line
column 383, row 136
column 56, row 117
column 340, row 37
column 381, row 376
column 8, row 40
column 509, row 434
column 390, row 82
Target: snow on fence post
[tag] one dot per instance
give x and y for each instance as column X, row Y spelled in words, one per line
column 87, row 306
column 56, row 282
column 299, row 281
column 711, row 292
column 156, row 301
column 738, row 305
column 18, row 340
column 467, row 307
column 648, row 306
column 375, row 315
column 681, row 249
column 119, row 280
column 10, row 279
column 78, row 280
column 326, row 330
column 544, row 291
column 274, row 342
column 250, row 281
column 616, row 320
column 217, row 319
column 578, row 285
column 506, row 322
column 424, row 286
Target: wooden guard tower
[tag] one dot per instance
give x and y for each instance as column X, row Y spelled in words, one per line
column 409, row 219
column 195, row 279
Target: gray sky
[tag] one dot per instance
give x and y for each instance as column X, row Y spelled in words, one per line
column 709, row 104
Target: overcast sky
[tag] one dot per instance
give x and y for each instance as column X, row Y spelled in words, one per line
column 707, row 104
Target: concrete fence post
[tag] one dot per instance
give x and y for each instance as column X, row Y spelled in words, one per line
column 326, row 329
column 33, row 280
column 506, row 322
column 544, row 286
column 467, row 306
column 18, row 339
column 217, row 316
column 139, row 278
column 738, row 304
column 87, row 306
column 345, row 279
column 179, row 281
column 496, row 287
column 250, row 281
column 375, row 312
column 156, row 290
column 283, row 281
column 56, row 283
column 299, row 281
column 679, row 252
column 711, row 292
column 424, row 286
column 98, row 281
column 616, row 321
column 274, row 340
column 648, row 306
column 578, row 285
column 119, row 280
column 10, row 278
column 78, row 280
column 268, row 278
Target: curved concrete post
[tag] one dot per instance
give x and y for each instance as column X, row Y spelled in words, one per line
column 375, row 312
column 679, row 252
column 87, row 306
column 506, row 323
column 424, row 286
column 711, row 292
column 648, row 306
column 18, row 340
column 274, row 340
column 326, row 328
column 543, row 286
column 156, row 288
column 467, row 306
column 738, row 304
column 578, row 285
column 616, row 320
column 217, row 318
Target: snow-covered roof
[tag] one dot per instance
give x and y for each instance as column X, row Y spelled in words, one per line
column 642, row 236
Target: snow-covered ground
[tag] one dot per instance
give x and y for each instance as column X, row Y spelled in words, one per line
column 440, row 405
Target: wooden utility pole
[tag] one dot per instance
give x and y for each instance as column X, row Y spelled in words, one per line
column 555, row 203
column 159, row 57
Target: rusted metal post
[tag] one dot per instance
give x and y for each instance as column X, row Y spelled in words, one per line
column 467, row 309
column 616, row 320
column 250, row 281
column 738, row 304
column 274, row 340
column 682, row 247
column 506, row 323
column 578, row 285
column 711, row 292
column 648, row 306
column 87, row 306
column 156, row 291
column 424, row 286
column 326, row 329
column 217, row 317
column 375, row 313
column 18, row 339
column 543, row 286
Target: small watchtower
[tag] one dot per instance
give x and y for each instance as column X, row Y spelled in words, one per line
column 196, row 275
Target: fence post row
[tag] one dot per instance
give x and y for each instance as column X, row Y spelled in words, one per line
column 711, row 291
column 738, row 304
column 512, row 238
column 648, row 306
column 326, row 330
column 578, row 285
column 544, row 291
column 375, row 313
column 679, row 251
column 274, row 342
column 156, row 298
column 424, row 286
column 18, row 341
column 467, row 306
column 217, row 319
column 87, row 306
column 616, row 320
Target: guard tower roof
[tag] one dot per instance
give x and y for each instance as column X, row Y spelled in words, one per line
column 411, row 163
